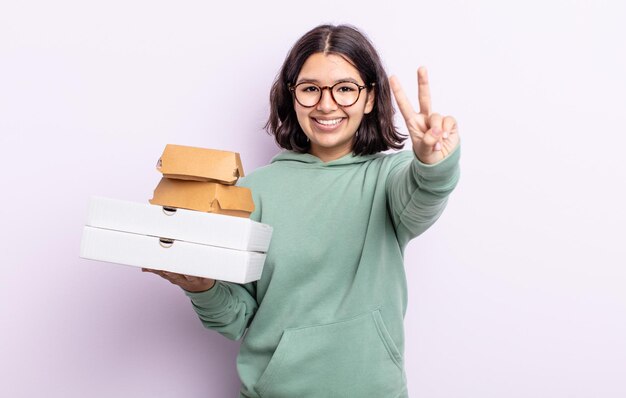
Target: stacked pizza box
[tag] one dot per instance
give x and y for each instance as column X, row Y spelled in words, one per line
column 196, row 223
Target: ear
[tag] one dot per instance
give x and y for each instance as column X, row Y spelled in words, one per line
column 371, row 97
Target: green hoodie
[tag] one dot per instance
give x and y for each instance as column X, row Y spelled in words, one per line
column 326, row 317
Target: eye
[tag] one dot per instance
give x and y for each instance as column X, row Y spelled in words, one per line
column 308, row 88
column 346, row 87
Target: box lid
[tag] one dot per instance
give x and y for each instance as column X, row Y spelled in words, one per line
column 192, row 226
column 200, row 164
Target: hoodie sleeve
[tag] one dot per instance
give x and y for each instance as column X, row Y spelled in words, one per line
column 417, row 193
column 226, row 308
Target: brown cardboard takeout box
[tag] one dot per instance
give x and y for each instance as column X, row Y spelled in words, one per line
column 200, row 164
column 204, row 196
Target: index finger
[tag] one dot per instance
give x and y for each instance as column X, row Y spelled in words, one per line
column 401, row 99
column 423, row 91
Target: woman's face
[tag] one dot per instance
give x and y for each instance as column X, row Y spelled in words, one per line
column 331, row 128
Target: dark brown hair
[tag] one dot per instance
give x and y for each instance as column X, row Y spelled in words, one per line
column 376, row 132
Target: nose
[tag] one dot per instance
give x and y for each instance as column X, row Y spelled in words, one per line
column 326, row 103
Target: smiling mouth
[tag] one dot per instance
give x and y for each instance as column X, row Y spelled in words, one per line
column 329, row 122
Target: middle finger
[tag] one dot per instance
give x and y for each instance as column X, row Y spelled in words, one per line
column 423, row 91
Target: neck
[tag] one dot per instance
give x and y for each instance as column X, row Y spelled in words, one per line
column 329, row 154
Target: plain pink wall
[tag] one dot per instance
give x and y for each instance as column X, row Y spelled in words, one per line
column 517, row 291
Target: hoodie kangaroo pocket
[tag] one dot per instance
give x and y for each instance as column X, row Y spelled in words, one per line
column 351, row 358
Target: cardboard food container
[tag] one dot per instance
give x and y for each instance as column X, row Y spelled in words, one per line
column 203, row 196
column 200, row 164
column 171, row 255
column 179, row 224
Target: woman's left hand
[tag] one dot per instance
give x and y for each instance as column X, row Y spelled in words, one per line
column 434, row 136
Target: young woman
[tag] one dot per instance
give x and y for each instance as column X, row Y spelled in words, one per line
column 326, row 318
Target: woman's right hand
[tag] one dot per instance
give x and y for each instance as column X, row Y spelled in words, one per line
column 190, row 283
column 434, row 136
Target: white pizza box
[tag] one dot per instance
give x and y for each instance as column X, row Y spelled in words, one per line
column 171, row 255
column 179, row 224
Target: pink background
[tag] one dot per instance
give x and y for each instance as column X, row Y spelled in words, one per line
column 518, row 291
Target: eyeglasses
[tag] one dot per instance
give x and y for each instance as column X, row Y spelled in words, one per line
column 343, row 93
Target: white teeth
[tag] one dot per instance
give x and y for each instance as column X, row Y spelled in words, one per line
column 329, row 122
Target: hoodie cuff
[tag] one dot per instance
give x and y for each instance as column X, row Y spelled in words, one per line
column 443, row 169
column 205, row 297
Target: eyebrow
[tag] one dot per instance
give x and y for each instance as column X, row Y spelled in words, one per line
column 345, row 79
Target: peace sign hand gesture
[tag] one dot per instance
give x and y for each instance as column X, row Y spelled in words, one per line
column 434, row 136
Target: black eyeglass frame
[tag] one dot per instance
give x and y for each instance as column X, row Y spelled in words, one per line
column 292, row 88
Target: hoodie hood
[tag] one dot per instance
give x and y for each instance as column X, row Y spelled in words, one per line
column 308, row 160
